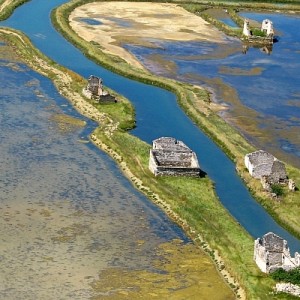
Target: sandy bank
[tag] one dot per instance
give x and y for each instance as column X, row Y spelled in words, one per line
column 139, row 24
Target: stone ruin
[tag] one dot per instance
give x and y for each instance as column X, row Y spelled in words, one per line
column 289, row 288
column 266, row 27
column 94, row 90
column 169, row 156
column 263, row 165
column 271, row 252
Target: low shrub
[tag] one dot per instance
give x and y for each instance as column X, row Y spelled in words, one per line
column 292, row 276
column 277, row 189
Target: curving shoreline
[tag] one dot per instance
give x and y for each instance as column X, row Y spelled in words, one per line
column 142, row 21
column 7, row 7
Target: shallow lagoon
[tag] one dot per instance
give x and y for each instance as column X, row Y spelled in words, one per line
column 69, row 219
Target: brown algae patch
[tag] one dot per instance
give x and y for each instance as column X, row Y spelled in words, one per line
column 239, row 71
column 7, row 54
column 69, row 233
column 182, row 271
column 66, row 123
column 250, row 123
column 52, row 250
column 222, row 50
column 158, row 63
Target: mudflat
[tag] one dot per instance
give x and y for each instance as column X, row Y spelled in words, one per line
column 138, row 23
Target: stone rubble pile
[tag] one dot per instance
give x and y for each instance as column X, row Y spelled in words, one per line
column 288, row 288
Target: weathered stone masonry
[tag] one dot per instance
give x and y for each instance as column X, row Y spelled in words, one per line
column 94, row 90
column 261, row 163
column 271, row 252
column 169, row 156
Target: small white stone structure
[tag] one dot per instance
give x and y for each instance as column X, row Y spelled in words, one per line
column 246, row 29
column 289, row 288
column 267, row 27
column 271, row 252
column 263, row 164
column 169, row 156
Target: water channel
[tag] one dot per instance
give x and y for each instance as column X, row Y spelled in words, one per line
column 33, row 19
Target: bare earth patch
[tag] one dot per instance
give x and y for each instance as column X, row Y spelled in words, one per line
column 139, row 23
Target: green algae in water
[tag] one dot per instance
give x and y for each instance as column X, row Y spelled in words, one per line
column 182, row 271
column 65, row 123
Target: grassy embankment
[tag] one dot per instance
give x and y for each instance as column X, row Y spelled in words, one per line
column 8, row 6
column 232, row 8
column 192, row 199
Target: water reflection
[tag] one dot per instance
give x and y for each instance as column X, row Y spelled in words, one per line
column 90, row 21
column 267, row 49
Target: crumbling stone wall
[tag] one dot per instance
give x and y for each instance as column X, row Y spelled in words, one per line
column 271, row 252
column 278, row 172
column 261, row 163
column 94, row 90
column 172, row 157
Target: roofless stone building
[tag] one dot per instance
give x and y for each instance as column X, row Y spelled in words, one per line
column 169, row 156
column 94, row 90
column 271, row 252
column 263, row 164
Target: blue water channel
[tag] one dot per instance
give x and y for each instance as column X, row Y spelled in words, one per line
column 157, row 115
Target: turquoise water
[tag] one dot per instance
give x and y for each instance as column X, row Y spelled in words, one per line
column 157, row 115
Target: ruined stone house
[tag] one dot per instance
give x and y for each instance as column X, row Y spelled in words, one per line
column 246, row 28
column 271, row 252
column 94, row 87
column 263, row 164
column 94, row 90
column 169, row 156
column 266, row 27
